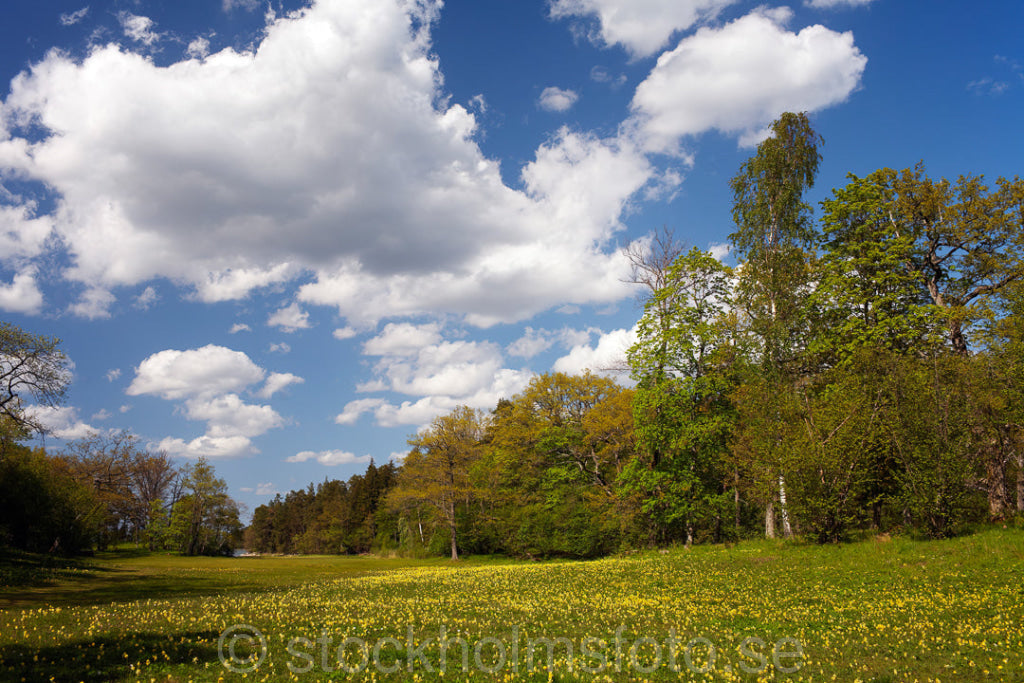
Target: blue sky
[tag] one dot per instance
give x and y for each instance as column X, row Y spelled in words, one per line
column 286, row 235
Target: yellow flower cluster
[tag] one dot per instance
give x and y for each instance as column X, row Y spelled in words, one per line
column 904, row 612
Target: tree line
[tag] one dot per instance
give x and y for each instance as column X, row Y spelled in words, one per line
column 334, row 517
column 101, row 490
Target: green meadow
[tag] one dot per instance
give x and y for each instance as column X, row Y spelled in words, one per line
column 876, row 610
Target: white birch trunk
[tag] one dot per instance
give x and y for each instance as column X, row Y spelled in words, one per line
column 787, row 530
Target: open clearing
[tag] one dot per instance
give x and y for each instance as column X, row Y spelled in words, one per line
column 897, row 610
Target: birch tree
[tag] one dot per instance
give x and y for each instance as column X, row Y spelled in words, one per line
column 774, row 237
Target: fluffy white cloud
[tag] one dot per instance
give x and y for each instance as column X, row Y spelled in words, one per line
column 448, row 368
column 224, row 174
column 557, row 99
column 330, row 458
column 207, row 447
column 94, row 303
column 282, row 347
column 738, row 78
column 641, row 26
column 290, row 318
column 607, row 357
column 532, row 342
column 402, row 339
column 113, row 374
column 278, row 381
column 139, row 29
column 236, row 282
column 415, row 360
column 239, row 327
column 207, row 379
column 343, row 333
column 504, row 384
column 207, row 371
column 22, row 295
column 61, row 422
column 229, row 416
column 198, row 48
column 719, row 250
column 23, row 233
column 355, row 409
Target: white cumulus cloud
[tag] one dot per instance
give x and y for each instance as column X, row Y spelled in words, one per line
column 206, row 371
column 206, row 381
column 641, row 26
column 740, row 77
column 557, row 99
column 139, row 29
column 278, row 381
column 330, row 458
column 22, row 294
column 61, row 422
column 290, row 318
column 235, row 172
column 606, row 357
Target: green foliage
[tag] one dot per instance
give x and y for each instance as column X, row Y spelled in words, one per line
column 205, row 520
column 960, row 243
column 830, row 471
column 774, row 235
column 934, row 437
column 334, row 517
column 44, row 508
column 550, row 457
column 870, row 292
column 157, row 533
column 436, row 472
column 683, row 363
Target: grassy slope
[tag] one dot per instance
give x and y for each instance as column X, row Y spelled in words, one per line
column 900, row 610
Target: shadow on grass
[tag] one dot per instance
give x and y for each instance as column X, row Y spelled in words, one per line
column 105, row 659
column 29, row 580
column 118, row 585
column 20, row 569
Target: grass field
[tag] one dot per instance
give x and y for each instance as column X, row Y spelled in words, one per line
column 882, row 611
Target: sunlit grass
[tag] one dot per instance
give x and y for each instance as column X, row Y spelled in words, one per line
column 899, row 610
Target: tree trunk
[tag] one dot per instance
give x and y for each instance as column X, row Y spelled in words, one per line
column 736, row 501
column 787, row 530
column 956, row 337
column 769, row 518
column 1020, row 481
column 451, row 519
column 997, row 489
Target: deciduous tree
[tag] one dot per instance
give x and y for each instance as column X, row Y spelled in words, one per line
column 436, row 470
column 32, row 366
column 774, row 238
